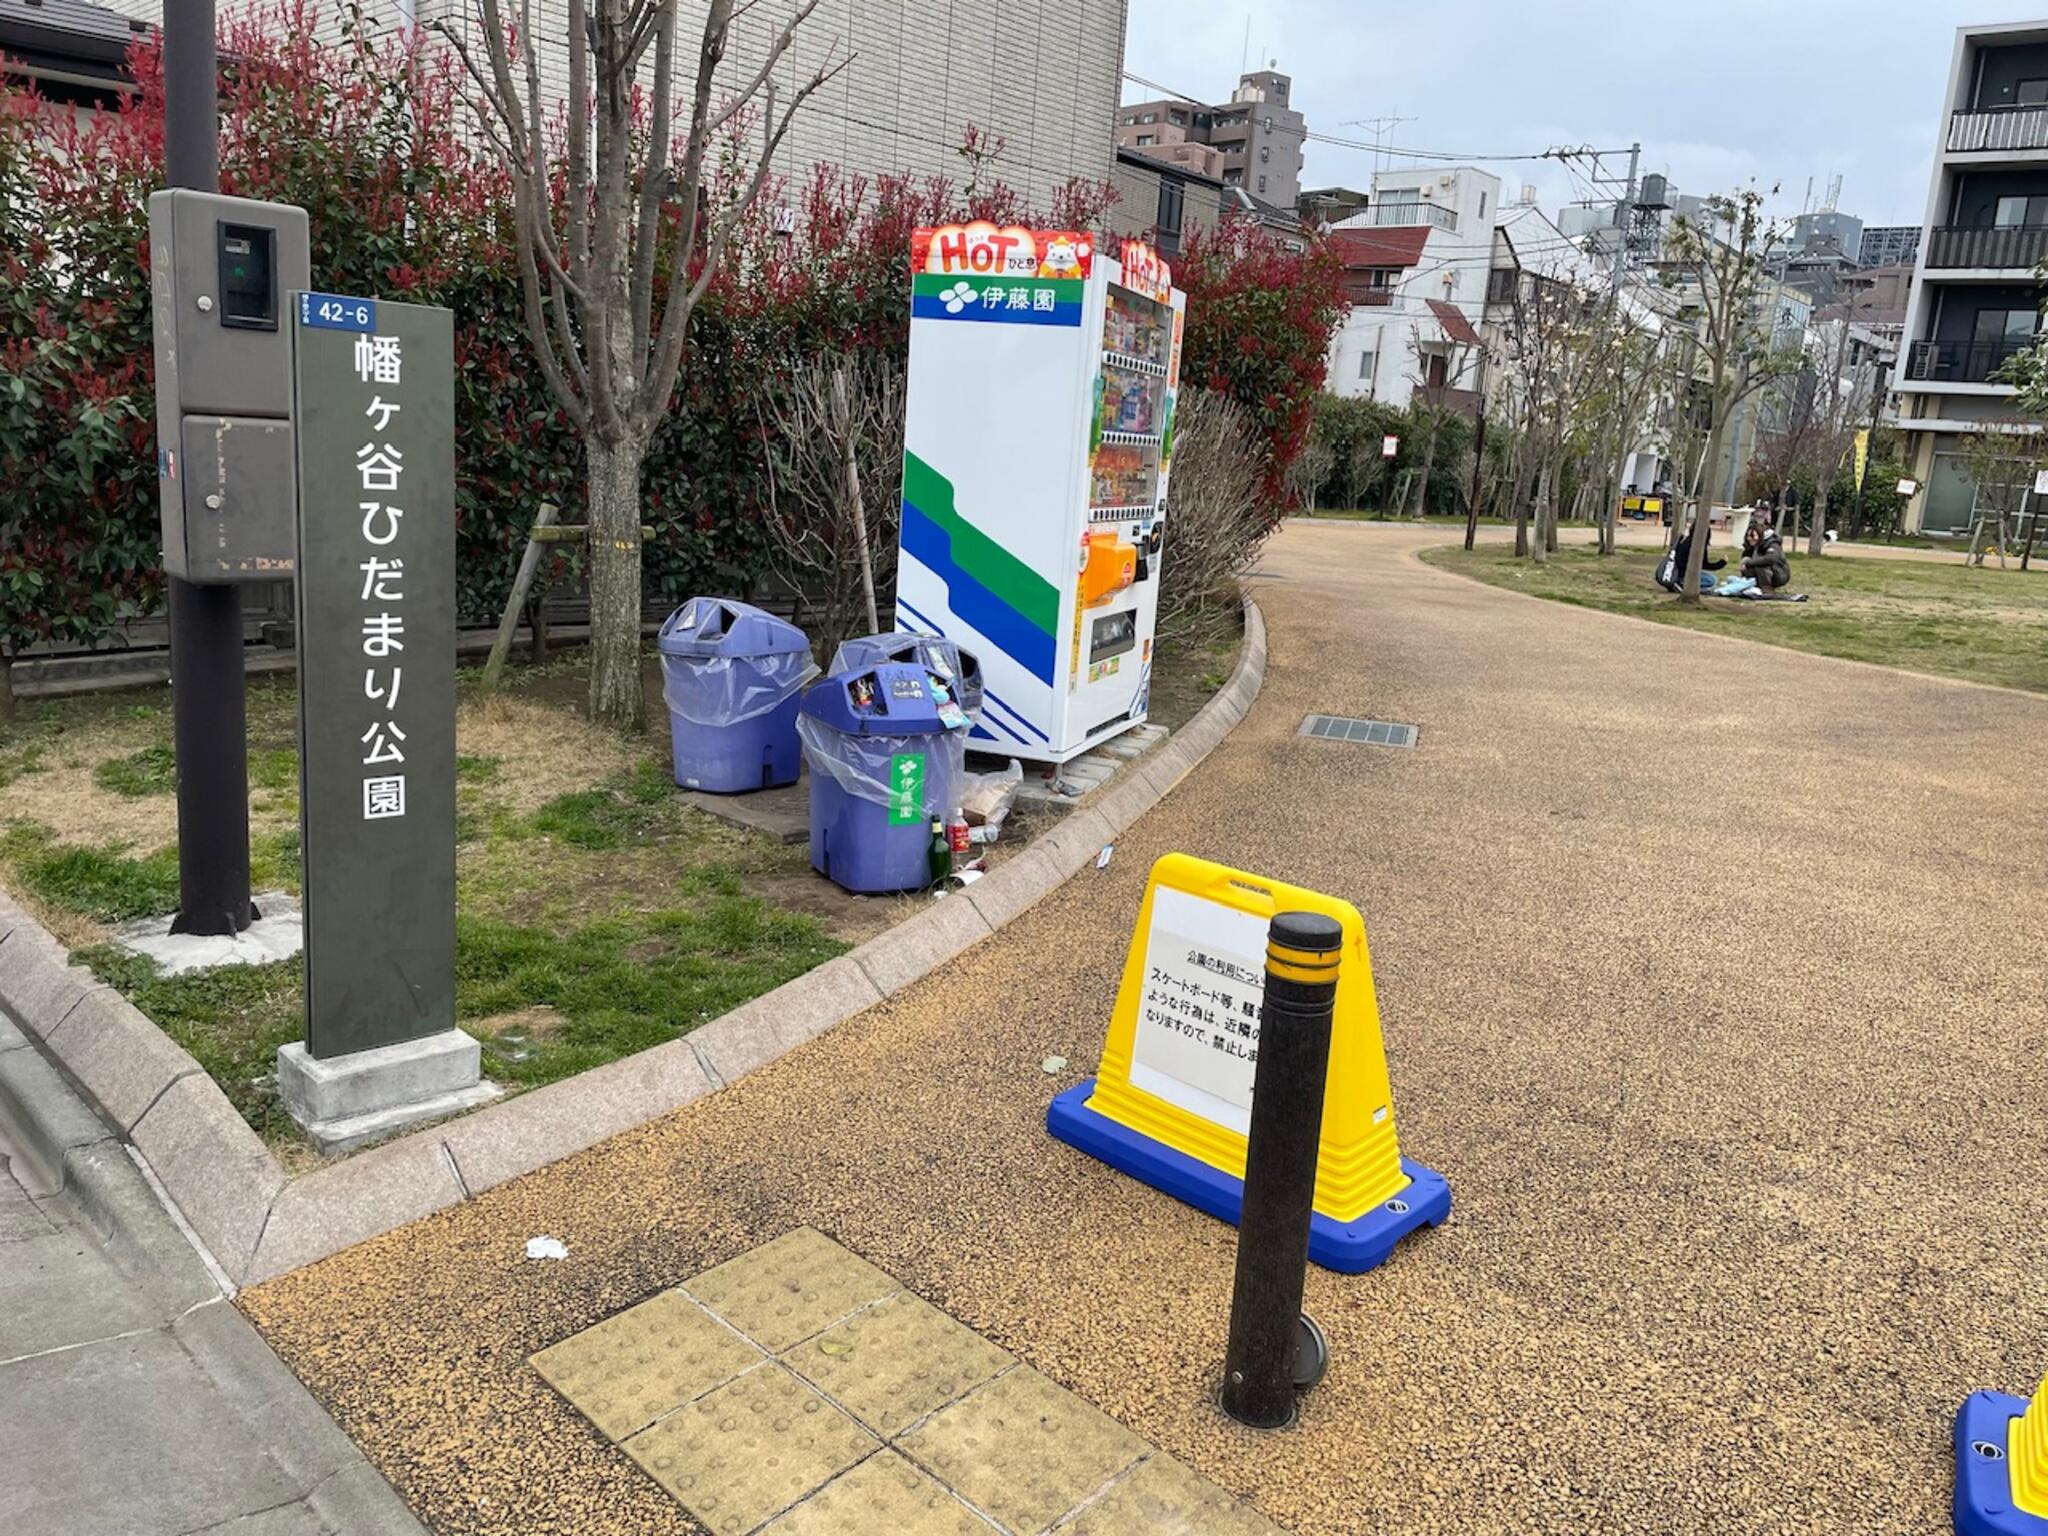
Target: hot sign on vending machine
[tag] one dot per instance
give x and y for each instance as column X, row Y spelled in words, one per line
column 1038, row 442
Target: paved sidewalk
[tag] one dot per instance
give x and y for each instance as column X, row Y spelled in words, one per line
column 141, row 1403
column 1714, row 979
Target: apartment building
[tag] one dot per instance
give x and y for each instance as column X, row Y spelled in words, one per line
column 1043, row 76
column 1253, row 141
column 1162, row 202
column 1890, row 245
column 1975, row 299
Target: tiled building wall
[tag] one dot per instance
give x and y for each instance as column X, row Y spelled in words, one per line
column 1043, row 75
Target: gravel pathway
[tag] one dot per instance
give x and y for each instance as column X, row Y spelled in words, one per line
column 1713, row 978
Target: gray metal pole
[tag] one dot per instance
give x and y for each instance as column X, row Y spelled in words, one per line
column 1302, row 953
column 209, row 710
column 1628, row 214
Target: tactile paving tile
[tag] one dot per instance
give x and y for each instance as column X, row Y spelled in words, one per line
column 897, row 1361
column 798, row 1285
column 883, row 1496
column 750, row 1450
column 1164, row 1498
column 1023, row 1449
column 625, row 1372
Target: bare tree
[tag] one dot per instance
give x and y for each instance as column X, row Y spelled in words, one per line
column 621, row 229
column 835, row 462
column 1844, row 385
column 1624, row 400
column 1550, row 382
column 1718, row 258
column 2001, row 459
column 1218, row 521
column 1310, row 469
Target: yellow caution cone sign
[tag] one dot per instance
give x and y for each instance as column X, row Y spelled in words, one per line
column 2002, row 1465
column 1171, row 1104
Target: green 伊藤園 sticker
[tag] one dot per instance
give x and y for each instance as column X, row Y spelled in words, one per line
column 906, row 789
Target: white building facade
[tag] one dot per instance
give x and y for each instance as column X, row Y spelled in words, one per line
column 1416, row 263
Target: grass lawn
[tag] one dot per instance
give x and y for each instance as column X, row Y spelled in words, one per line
column 1987, row 625
column 597, row 915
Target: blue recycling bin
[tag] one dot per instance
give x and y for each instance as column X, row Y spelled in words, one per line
column 887, row 747
column 958, row 669
column 733, row 677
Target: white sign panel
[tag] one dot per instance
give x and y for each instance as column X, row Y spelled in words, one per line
column 1197, row 1041
column 2041, row 482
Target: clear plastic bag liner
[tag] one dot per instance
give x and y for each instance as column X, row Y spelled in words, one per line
column 725, row 690
column 863, row 766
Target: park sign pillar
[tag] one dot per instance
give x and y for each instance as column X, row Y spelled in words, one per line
column 374, row 391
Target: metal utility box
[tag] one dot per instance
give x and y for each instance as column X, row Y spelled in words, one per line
column 220, row 270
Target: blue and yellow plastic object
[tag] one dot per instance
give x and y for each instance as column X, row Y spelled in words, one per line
column 2002, row 1465
column 1368, row 1196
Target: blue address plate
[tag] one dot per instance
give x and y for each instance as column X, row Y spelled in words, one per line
column 333, row 312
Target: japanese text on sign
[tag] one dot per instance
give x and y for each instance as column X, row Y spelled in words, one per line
column 1197, row 1038
column 380, row 469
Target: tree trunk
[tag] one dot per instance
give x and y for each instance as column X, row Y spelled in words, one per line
column 1521, row 516
column 615, row 696
column 1608, row 511
column 1428, row 463
column 1703, row 512
column 6, row 689
column 1547, row 509
column 1539, row 546
column 1817, row 538
column 849, row 470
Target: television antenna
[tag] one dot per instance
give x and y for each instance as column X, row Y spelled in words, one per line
column 1381, row 128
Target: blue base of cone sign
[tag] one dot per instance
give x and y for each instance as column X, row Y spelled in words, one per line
column 1348, row 1248
column 1984, row 1504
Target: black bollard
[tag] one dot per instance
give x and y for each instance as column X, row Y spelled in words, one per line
column 1302, row 953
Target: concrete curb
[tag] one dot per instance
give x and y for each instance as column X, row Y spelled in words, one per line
column 256, row 1224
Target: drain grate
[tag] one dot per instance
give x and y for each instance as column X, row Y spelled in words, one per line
column 1371, row 733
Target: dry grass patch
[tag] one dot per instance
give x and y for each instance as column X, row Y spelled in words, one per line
column 543, row 750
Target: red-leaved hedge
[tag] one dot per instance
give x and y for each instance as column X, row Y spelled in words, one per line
column 367, row 138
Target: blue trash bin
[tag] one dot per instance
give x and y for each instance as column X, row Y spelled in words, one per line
column 958, row 669
column 886, row 756
column 733, row 677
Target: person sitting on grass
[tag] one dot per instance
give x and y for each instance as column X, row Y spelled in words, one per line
column 1671, row 569
column 1763, row 553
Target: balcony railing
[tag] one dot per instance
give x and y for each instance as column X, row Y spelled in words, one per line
column 1416, row 213
column 1961, row 362
column 2012, row 246
column 1996, row 128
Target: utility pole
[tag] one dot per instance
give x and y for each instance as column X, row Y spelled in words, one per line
column 1628, row 214
column 209, row 711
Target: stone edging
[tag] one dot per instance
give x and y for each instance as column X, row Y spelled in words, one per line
column 258, row 1224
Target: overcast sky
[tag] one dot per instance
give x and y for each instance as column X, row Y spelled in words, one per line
column 1718, row 91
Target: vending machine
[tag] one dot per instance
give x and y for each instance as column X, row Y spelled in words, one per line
column 1038, row 441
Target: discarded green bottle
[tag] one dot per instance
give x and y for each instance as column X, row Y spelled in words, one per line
column 941, row 852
